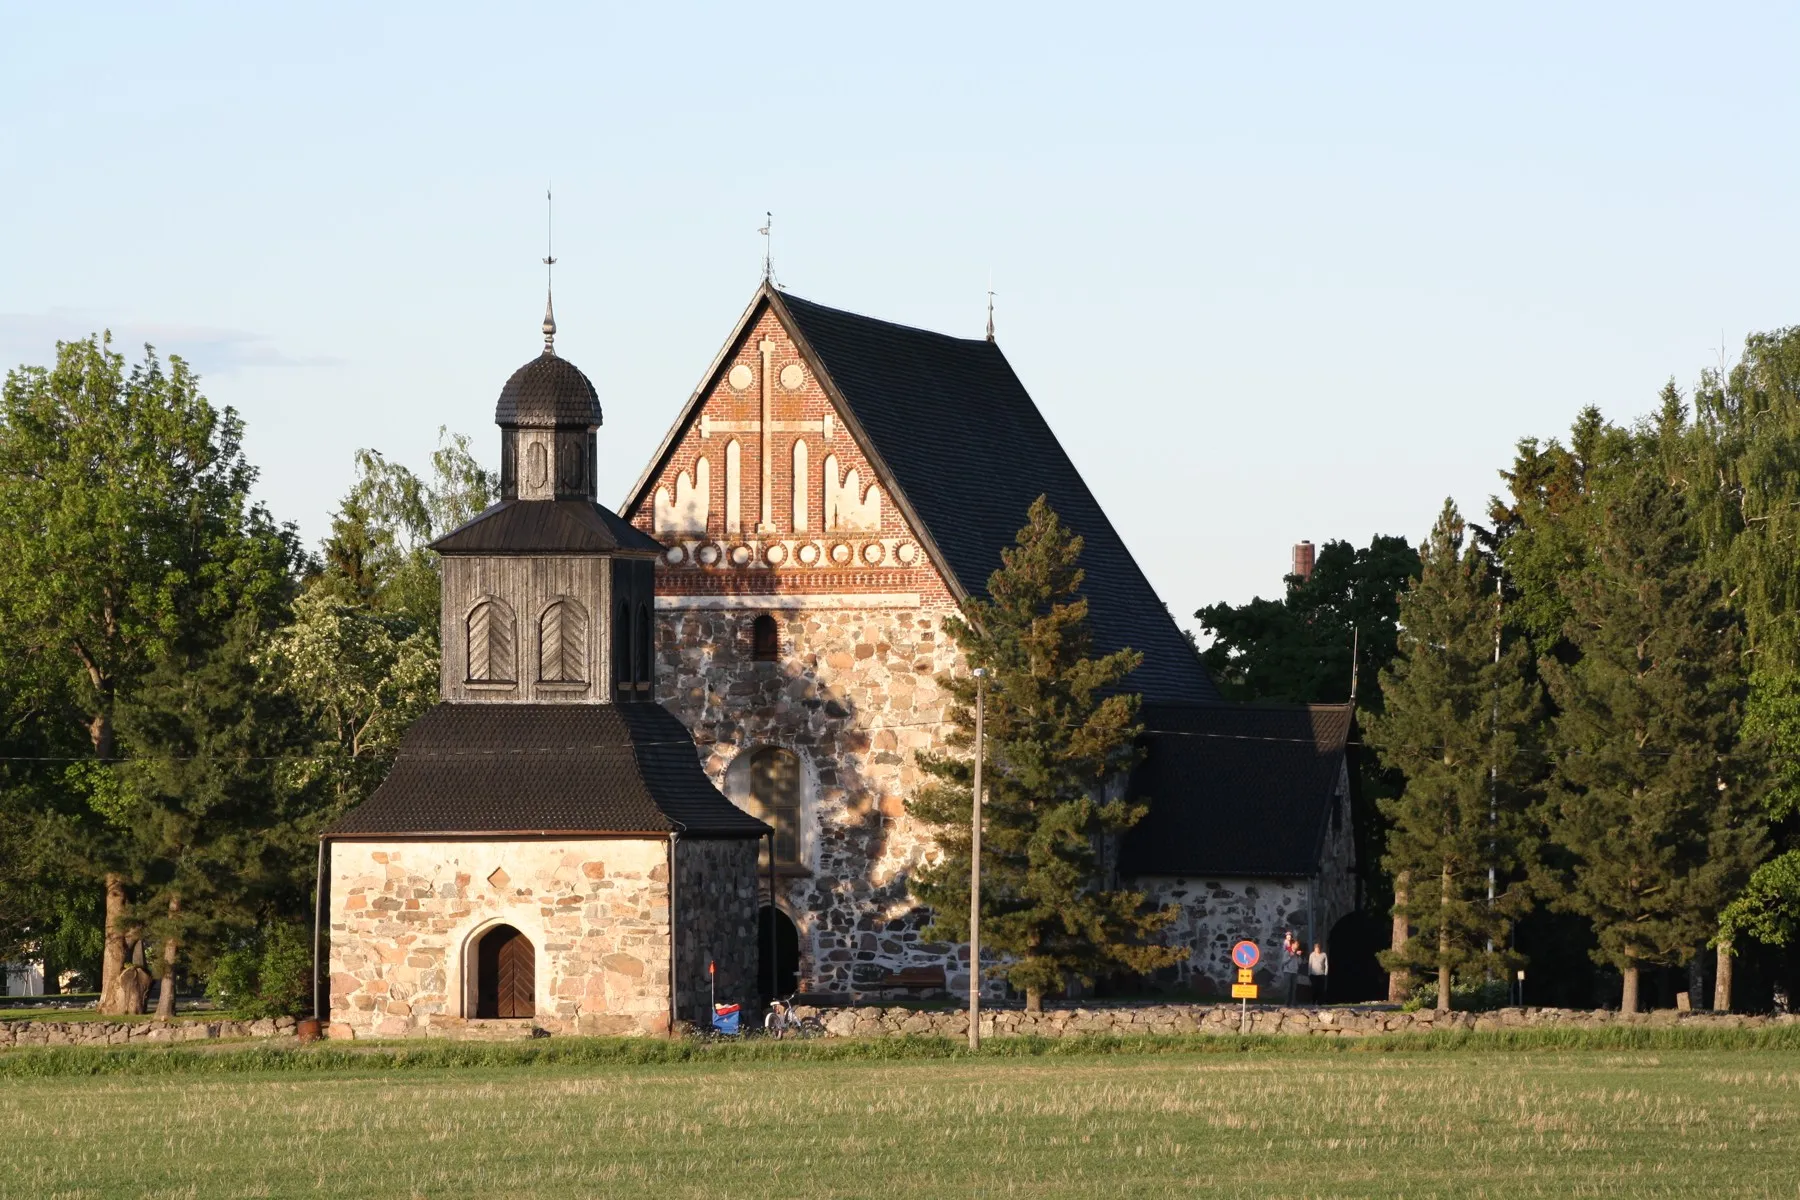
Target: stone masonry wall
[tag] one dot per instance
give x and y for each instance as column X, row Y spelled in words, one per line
column 406, row 916
column 1228, row 1019
column 855, row 697
column 717, row 895
column 136, row 1033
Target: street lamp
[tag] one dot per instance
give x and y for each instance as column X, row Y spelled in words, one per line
column 975, row 869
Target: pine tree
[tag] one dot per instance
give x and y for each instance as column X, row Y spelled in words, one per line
column 1654, row 798
column 1453, row 724
column 1060, row 737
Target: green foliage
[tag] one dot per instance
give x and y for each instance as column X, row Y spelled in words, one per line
column 1456, row 721
column 1298, row 649
column 1060, row 736
column 1654, row 798
column 1768, row 910
column 268, row 976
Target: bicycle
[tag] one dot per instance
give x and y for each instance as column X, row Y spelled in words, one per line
column 781, row 1022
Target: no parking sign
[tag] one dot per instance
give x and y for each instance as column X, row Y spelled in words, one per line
column 1246, row 955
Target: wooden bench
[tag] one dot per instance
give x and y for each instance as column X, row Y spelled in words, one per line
column 912, row 979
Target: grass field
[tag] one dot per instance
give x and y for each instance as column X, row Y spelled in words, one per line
column 1164, row 1120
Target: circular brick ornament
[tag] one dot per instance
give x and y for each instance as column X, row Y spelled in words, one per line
column 840, row 553
column 741, row 377
column 809, row 553
column 676, row 556
column 793, row 377
column 707, row 554
column 740, row 555
column 776, row 554
column 906, row 552
column 872, row 554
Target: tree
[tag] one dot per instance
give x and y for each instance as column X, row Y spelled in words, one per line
column 125, row 524
column 376, row 553
column 1060, row 737
column 1458, row 708
column 357, row 679
column 1747, row 503
column 1654, row 796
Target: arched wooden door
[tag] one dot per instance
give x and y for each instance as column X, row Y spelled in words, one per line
column 505, row 974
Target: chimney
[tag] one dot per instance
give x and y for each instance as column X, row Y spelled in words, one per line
column 1303, row 560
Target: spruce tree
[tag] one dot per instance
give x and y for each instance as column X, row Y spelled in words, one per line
column 1453, row 724
column 1061, row 734
column 1653, row 797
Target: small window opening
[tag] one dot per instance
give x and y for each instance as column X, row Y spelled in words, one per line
column 765, row 639
column 775, row 798
column 646, row 651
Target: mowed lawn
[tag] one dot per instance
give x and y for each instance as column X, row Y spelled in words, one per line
column 1449, row 1123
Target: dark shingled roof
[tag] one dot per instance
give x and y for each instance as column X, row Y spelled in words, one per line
column 546, row 768
column 1236, row 789
column 548, row 391
column 969, row 452
column 546, row 527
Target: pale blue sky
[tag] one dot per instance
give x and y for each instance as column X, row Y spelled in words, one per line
column 1272, row 272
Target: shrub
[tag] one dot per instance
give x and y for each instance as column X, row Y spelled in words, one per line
column 268, row 977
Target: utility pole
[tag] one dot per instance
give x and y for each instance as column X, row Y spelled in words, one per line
column 975, row 868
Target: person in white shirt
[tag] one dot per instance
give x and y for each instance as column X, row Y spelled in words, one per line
column 1319, row 966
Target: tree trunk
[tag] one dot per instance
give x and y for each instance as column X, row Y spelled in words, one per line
column 1399, row 982
column 1722, row 981
column 1443, row 945
column 1628, row 1003
column 1034, row 1000
column 165, row 996
column 52, row 969
column 112, row 961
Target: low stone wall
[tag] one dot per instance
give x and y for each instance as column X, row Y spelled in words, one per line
column 1226, row 1018
column 135, row 1033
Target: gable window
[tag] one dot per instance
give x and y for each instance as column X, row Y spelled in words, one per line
column 490, row 643
column 775, row 798
column 765, row 639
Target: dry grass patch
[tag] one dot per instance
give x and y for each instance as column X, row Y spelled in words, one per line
column 1440, row 1124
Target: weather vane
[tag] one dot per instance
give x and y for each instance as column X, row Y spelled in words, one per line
column 768, row 254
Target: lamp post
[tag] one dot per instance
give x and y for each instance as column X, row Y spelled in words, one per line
column 975, row 869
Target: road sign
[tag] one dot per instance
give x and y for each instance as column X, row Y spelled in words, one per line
column 1246, row 955
column 1243, row 991
column 1246, row 975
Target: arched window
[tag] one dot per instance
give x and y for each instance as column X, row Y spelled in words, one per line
column 505, row 974
column 775, row 797
column 646, row 642
column 562, row 643
column 621, row 651
column 490, row 643
column 765, row 639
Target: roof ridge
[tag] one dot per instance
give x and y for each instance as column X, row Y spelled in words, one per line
column 846, row 312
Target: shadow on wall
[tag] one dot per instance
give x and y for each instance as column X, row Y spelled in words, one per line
column 838, row 890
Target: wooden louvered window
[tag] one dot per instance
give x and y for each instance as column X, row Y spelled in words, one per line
column 490, row 643
column 621, row 651
column 505, row 974
column 562, row 643
column 775, row 797
column 646, row 653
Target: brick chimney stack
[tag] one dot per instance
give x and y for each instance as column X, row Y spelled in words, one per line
column 1303, row 560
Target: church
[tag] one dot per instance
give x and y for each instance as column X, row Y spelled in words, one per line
column 675, row 743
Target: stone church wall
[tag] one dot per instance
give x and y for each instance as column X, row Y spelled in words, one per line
column 405, row 917
column 717, row 895
column 1217, row 911
column 855, row 697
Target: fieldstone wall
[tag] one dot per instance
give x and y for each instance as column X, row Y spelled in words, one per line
column 716, row 902
column 406, row 917
column 135, row 1033
column 855, row 697
column 1227, row 1019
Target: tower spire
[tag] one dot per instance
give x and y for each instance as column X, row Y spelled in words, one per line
column 549, row 266
column 990, row 324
